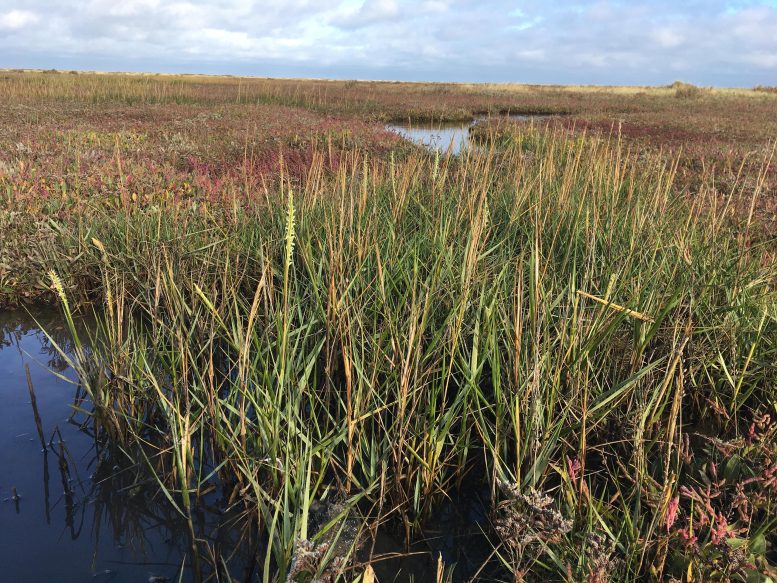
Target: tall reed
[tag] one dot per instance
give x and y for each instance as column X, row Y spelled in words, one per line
column 547, row 319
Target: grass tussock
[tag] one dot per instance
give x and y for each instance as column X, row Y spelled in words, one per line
column 684, row 90
column 547, row 322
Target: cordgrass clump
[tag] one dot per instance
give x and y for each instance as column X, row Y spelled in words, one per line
column 388, row 335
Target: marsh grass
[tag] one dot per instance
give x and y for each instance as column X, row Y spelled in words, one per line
column 683, row 90
column 554, row 319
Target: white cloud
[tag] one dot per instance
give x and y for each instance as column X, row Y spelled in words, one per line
column 531, row 55
column 130, row 7
column 370, row 12
column 764, row 60
column 668, row 38
column 640, row 41
column 226, row 39
column 434, row 6
column 16, row 19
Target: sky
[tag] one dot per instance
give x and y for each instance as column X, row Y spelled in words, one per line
column 638, row 42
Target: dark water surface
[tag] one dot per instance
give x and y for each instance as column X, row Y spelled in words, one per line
column 69, row 513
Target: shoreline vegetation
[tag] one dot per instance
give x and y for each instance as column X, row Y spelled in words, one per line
column 339, row 330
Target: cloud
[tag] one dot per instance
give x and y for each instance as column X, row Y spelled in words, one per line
column 370, row 12
column 668, row 38
column 16, row 19
column 725, row 42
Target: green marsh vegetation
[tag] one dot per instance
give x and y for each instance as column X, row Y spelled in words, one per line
column 548, row 321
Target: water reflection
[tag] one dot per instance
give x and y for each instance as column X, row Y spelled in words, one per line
column 435, row 136
column 453, row 136
column 72, row 508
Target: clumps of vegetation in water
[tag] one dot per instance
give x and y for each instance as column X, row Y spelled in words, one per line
column 525, row 523
column 336, row 534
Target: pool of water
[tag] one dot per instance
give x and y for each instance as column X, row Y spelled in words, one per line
column 69, row 511
column 444, row 136
column 435, row 136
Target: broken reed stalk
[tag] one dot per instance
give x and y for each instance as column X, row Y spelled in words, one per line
column 616, row 307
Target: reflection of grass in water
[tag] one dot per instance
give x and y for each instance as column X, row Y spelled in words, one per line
column 549, row 321
column 126, row 498
column 16, row 324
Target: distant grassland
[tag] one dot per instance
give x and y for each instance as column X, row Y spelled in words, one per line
column 574, row 324
column 210, row 88
column 718, row 128
column 653, row 90
column 477, row 87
